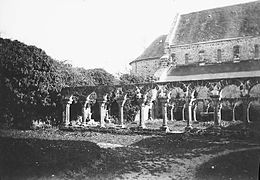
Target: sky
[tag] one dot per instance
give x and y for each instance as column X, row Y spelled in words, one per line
column 95, row 33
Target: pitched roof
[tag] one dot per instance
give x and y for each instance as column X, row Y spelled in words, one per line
column 154, row 50
column 219, row 23
column 227, row 70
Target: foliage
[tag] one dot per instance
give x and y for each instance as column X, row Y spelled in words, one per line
column 131, row 107
column 100, row 77
column 135, row 79
column 130, row 79
column 31, row 82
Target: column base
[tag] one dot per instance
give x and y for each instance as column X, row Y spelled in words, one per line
column 84, row 124
column 102, row 125
column 123, row 126
column 188, row 128
column 195, row 121
column 165, row 128
column 142, row 127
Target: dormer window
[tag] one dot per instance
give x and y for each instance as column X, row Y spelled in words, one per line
column 236, row 52
column 257, row 53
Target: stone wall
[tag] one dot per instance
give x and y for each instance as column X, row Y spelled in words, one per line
column 146, row 67
column 208, row 51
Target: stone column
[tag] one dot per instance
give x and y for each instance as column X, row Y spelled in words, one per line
column 234, row 113
column 189, row 120
column 245, row 100
column 152, row 111
column 164, row 103
column 121, row 103
column 142, row 120
column 172, row 111
column 88, row 111
column 101, row 104
column 220, row 112
column 183, row 111
column 66, row 111
column 215, row 101
column 248, row 112
column 195, row 113
column 142, row 106
column 83, row 111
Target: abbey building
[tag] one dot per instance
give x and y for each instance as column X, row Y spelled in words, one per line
column 216, row 43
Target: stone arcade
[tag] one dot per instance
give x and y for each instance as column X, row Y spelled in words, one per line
column 187, row 94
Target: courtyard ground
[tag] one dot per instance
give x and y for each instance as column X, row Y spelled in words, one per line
column 55, row 154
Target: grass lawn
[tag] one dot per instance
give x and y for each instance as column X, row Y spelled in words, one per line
column 55, row 154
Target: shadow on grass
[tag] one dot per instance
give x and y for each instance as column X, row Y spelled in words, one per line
column 243, row 165
column 173, row 144
column 27, row 158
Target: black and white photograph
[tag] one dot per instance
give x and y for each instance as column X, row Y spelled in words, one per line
column 129, row 89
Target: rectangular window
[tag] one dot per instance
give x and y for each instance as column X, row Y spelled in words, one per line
column 219, row 58
column 257, row 51
column 186, row 58
column 201, row 55
column 236, row 52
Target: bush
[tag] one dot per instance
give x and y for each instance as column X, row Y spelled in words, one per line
column 31, row 82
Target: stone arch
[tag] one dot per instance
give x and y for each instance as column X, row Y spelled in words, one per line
column 231, row 112
column 152, row 108
column 253, row 111
column 254, row 106
column 237, row 111
column 113, row 112
column 199, row 106
column 75, row 110
column 177, row 95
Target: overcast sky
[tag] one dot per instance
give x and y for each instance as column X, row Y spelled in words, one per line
column 94, row 33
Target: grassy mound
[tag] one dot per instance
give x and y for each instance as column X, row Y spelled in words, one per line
column 243, row 165
column 33, row 158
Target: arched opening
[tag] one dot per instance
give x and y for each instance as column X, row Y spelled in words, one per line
column 75, row 112
column 254, row 111
column 95, row 110
column 177, row 95
column 257, row 51
column 113, row 112
column 238, row 109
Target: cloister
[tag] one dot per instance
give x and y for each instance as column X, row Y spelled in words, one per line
column 194, row 97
